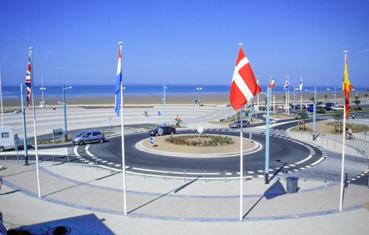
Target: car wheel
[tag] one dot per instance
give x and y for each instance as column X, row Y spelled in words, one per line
column 81, row 143
column 2, row 149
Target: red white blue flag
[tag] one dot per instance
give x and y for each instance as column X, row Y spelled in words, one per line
column 118, row 82
column 29, row 79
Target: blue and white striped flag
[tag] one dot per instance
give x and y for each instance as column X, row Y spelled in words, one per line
column 286, row 84
column 300, row 85
column 118, row 82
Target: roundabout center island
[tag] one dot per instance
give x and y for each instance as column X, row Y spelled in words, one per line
column 196, row 145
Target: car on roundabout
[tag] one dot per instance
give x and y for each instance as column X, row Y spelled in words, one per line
column 237, row 124
column 162, row 130
column 89, row 136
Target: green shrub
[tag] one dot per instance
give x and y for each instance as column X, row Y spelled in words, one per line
column 200, row 140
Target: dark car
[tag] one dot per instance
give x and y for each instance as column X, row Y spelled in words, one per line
column 237, row 124
column 90, row 136
column 162, row 130
column 310, row 108
column 329, row 106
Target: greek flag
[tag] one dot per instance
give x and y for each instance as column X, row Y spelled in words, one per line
column 301, row 84
column 286, row 84
column 118, row 82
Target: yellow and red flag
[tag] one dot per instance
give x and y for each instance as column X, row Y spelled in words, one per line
column 346, row 87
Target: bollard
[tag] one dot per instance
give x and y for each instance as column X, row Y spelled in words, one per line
column 225, row 176
column 68, row 160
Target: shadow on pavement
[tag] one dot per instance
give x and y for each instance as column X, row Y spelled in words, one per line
column 84, row 224
column 80, row 184
column 176, row 190
column 273, row 191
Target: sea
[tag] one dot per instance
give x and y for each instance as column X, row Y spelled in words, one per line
column 108, row 90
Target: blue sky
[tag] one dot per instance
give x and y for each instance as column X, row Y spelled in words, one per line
column 184, row 42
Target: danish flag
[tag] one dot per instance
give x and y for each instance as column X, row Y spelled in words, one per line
column 244, row 85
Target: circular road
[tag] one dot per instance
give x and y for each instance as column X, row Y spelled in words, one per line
column 285, row 153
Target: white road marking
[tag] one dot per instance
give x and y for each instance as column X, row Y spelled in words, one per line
column 75, row 151
column 317, row 162
column 87, row 150
column 304, row 160
column 175, row 172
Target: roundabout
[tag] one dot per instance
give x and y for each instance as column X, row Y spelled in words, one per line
column 197, row 146
column 286, row 154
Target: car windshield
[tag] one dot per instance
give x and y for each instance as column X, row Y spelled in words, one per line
column 81, row 134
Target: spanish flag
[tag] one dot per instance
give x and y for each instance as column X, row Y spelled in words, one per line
column 346, row 87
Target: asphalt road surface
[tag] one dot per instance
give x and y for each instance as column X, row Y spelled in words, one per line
column 284, row 150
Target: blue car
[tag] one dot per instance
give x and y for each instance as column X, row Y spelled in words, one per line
column 90, row 136
column 310, row 108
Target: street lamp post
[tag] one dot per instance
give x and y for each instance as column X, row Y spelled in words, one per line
column 164, row 99
column 65, row 111
column 42, row 89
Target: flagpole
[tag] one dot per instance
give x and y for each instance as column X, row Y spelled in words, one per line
column 314, row 115
column 343, row 156
column 288, row 101
column 34, row 126
column 266, row 169
column 301, row 101
column 1, row 100
column 241, row 166
column 300, row 88
column 24, row 127
column 122, row 138
column 343, row 148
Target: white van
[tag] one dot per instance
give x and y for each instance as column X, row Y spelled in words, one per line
column 6, row 139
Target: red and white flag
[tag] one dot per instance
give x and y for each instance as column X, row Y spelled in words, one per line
column 29, row 79
column 272, row 84
column 244, row 85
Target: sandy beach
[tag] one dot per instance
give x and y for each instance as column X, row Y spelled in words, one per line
column 175, row 98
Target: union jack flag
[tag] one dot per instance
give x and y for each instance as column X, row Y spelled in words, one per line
column 29, row 79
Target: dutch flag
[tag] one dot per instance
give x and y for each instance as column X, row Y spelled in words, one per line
column 118, row 82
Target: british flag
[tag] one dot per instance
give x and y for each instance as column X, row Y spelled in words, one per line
column 29, row 79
